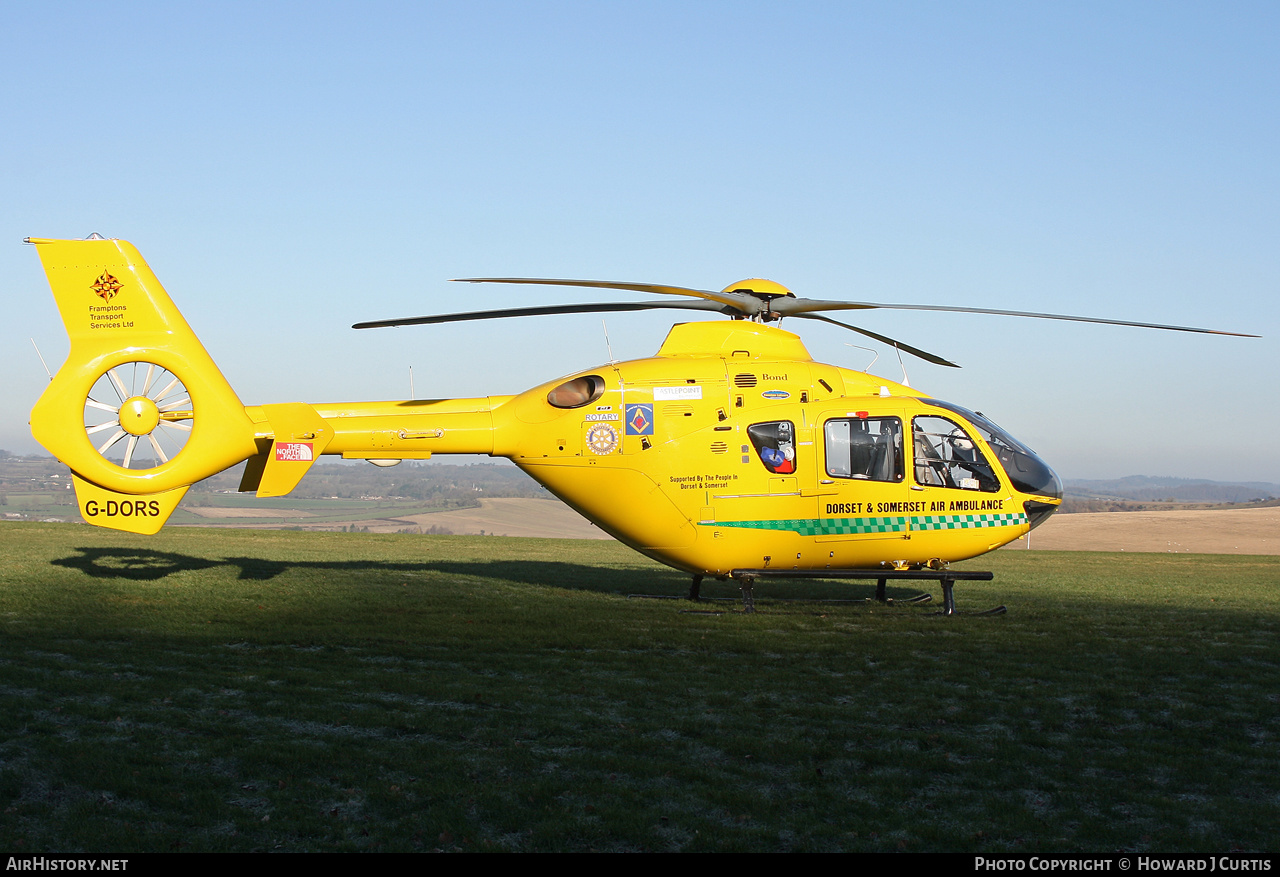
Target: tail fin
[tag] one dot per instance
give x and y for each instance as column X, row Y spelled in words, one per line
column 137, row 383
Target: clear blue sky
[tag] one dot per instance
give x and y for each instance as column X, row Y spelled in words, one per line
column 289, row 169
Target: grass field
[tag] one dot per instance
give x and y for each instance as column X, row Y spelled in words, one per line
column 291, row 512
column 268, row 690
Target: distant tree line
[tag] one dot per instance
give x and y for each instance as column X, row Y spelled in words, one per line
column 1074, row 504
column 449, row 486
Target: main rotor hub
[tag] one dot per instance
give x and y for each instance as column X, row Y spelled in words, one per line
column 765, row 290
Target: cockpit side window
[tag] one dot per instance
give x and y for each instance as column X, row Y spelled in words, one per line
column 866, row 448
column 775, row 444
column 1028, row 472
column 945, row 456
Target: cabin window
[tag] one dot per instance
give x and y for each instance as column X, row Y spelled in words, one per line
column 866, row 448
column 946, row 456
column 775, row 444
column 577, row 392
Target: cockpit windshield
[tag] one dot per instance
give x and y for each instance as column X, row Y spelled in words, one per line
column 1028, row 472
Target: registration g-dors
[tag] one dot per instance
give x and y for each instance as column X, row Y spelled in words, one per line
column 729, row 453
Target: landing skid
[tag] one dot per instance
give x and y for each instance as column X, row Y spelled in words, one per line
column 947, row 577
column 917, row 600
column 746, row 582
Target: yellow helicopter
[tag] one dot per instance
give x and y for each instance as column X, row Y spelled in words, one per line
column 729, row 453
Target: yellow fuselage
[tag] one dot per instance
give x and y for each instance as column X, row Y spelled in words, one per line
column 689, row 488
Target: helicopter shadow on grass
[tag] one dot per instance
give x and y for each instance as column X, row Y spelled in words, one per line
column 146, row 565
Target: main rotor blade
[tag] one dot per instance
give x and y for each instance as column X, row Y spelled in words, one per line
column 602, row 307
column 914, row 351
column 799, row 306
column 743, row 304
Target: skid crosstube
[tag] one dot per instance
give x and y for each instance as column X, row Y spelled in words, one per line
column 947, row 577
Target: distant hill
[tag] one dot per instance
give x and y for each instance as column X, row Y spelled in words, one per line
column 1147, row 488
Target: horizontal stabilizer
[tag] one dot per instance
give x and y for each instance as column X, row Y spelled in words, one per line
column 300, row 436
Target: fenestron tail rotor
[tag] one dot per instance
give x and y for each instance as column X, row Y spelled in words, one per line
column 138, row 415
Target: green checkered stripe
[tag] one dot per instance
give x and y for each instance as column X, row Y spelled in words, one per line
column 968, row 522
column 853, row 526
column 824, row 526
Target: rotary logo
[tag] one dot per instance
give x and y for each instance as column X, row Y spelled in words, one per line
column 106, row 286
column 602, row 439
